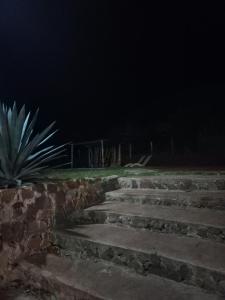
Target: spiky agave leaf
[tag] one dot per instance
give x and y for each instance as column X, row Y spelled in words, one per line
column 22, row 154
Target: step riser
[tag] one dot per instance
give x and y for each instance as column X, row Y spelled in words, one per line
column 143, row 263
column 165, row 200
column 164, row 226
column 153, row 224
column 172, row 183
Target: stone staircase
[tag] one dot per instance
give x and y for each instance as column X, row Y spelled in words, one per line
column 159, row 238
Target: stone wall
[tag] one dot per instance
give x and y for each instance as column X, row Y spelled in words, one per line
column 29, row 214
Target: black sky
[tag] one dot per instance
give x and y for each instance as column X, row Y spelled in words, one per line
column 95, row 66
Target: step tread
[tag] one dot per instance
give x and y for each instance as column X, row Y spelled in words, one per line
column 179, row 176
column 155, row 192
column 202, row 253
column 183, row 182
column 203, row 216
column 108, row 281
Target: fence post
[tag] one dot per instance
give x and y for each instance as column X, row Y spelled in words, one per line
column 130, row 151
column 89, row 157
column 102, row 147
column 119, row 155
column 72, row 155
column 172, row 145
column 151, row 148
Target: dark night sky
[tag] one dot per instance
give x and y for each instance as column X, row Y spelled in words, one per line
column 95, row 66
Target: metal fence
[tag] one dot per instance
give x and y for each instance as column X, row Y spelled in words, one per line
column 106, row 153
column 114, row 152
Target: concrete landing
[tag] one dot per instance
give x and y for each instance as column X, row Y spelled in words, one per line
column 101, row 280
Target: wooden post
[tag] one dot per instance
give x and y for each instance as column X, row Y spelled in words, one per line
column 114, row 155
column 102, row 146
column 89, row 157
column 151, row 147
column 172, row 145
column 130, row 151
column 72, row 155
column 119, row 155
column 96, row 157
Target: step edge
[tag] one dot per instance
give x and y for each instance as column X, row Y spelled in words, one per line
column 143, row 251
column 159, row 218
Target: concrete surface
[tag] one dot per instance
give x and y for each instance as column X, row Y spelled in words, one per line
column 196, row 198
column 195, row 222
column 110, row 282
column 181, row 182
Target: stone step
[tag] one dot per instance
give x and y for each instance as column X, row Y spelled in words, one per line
column 194, row 222
column 87, row 280
column 192, row 261
column 174, row 182
column 201, row 199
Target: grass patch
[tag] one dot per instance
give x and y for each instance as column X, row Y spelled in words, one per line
column 63, row 174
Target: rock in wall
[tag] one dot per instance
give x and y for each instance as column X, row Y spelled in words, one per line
column 29, row 214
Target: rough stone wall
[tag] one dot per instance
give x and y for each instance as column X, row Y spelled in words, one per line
column 29, row 214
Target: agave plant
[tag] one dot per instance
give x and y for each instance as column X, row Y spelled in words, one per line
column 23, row 154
